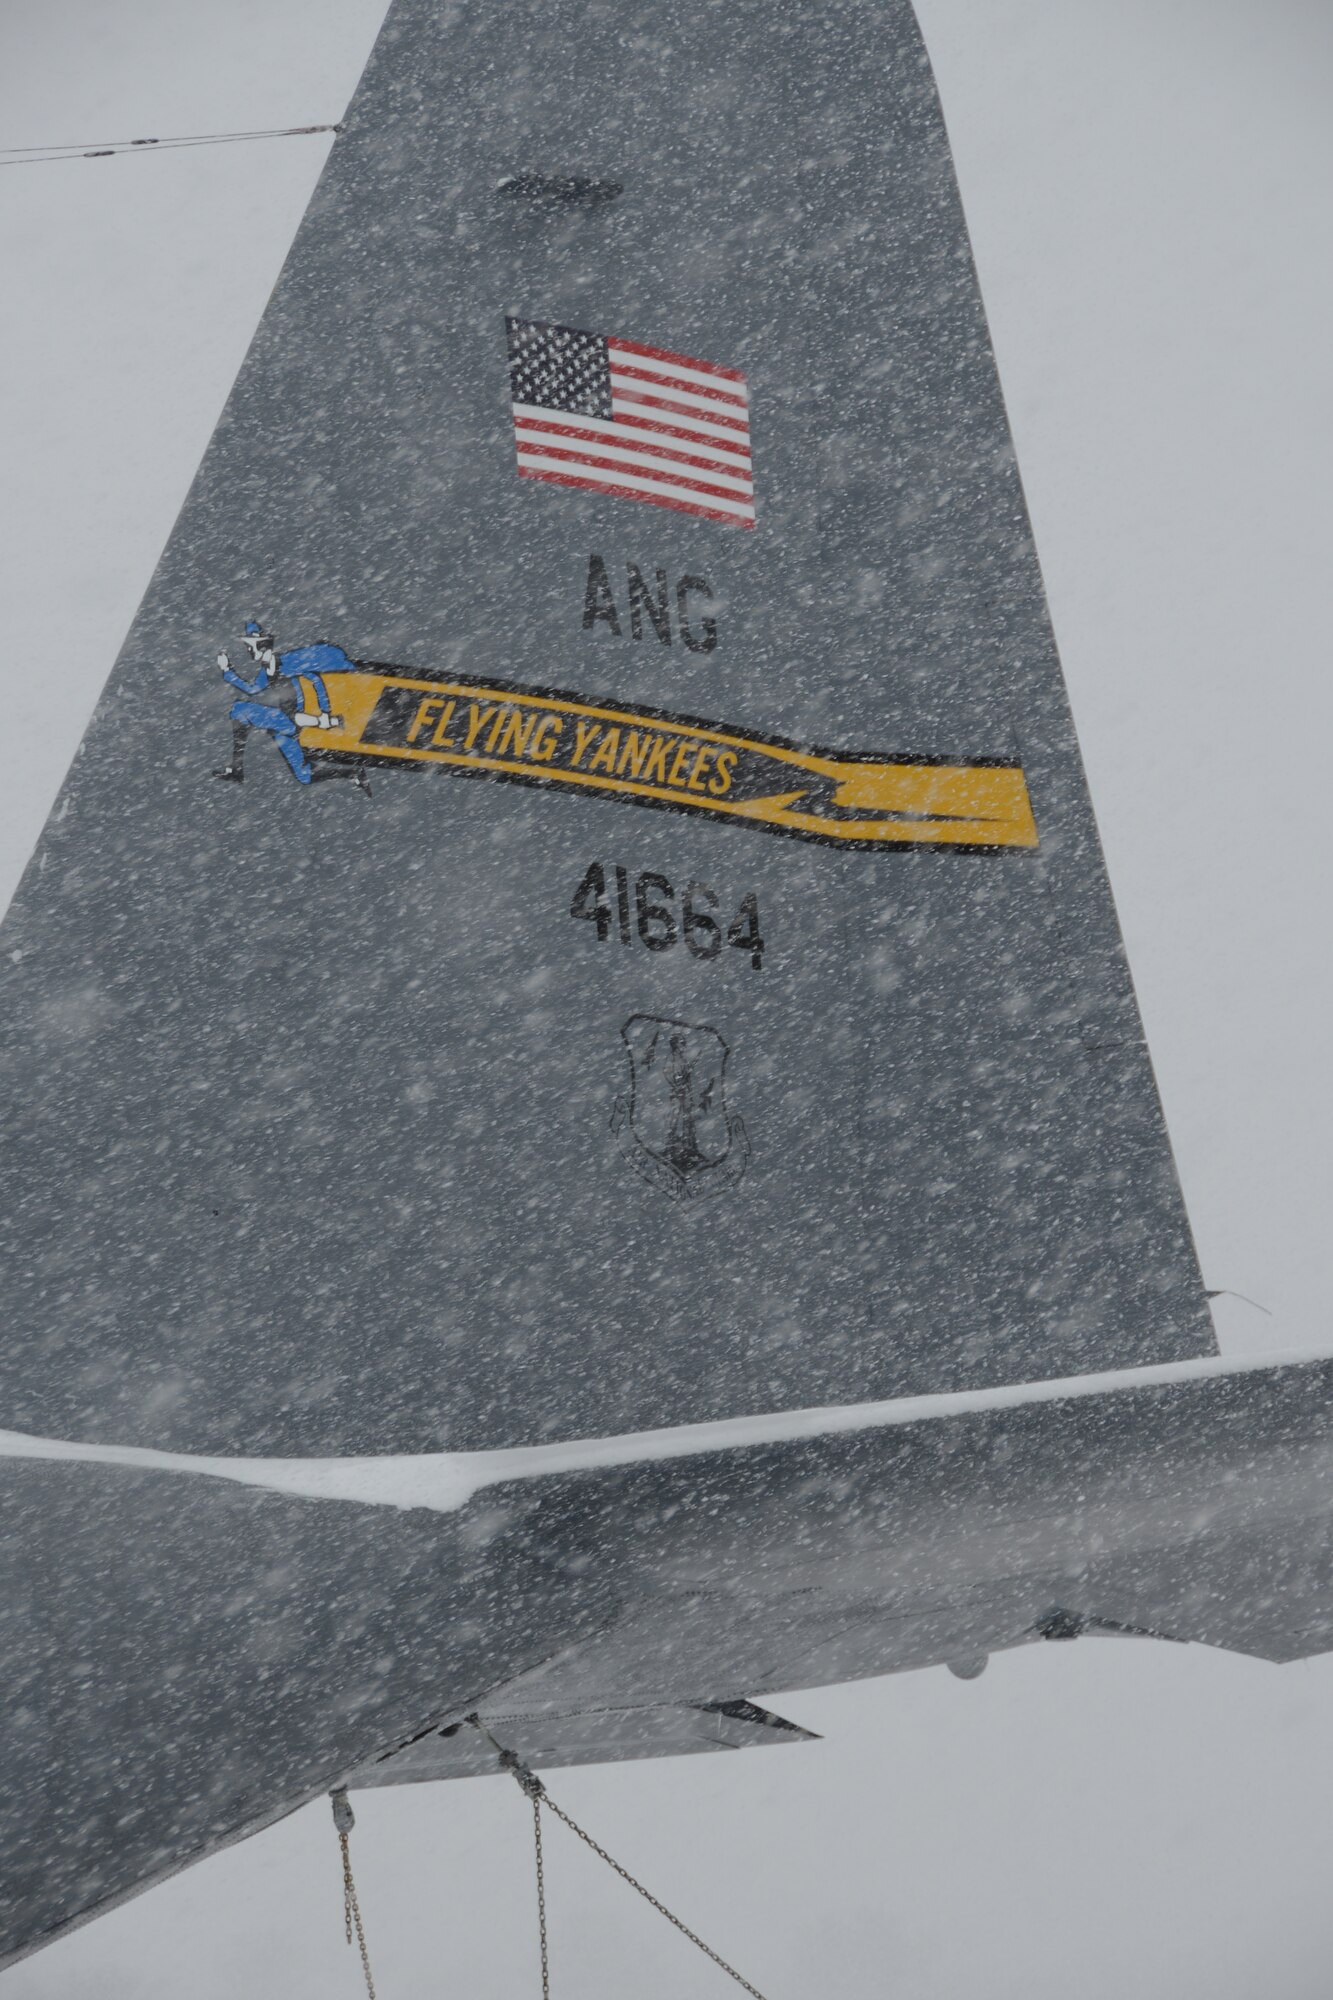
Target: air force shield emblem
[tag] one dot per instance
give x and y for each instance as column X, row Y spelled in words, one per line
column 673, row 1124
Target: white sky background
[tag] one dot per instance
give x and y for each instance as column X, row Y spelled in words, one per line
column 1149, row 186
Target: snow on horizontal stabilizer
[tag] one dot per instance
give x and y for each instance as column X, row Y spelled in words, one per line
column 866, row 1547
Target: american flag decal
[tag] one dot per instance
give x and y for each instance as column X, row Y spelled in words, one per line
column 612, row 416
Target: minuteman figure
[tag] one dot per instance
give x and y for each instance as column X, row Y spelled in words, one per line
column 286, row 695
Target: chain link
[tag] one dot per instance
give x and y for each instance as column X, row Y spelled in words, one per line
column 647, row 1894
column 342, row 1813
column 541, row 1895
column 533, row 1788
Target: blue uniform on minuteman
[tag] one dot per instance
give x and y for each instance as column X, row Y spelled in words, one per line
column 286, row 694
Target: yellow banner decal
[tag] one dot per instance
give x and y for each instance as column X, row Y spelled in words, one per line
column 539, row 736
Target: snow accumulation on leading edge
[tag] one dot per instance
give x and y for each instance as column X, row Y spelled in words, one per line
column 447, row 1480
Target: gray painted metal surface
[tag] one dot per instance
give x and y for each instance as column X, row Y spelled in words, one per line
column 452, row 1116
column 322, row 1634
column 308, row 1097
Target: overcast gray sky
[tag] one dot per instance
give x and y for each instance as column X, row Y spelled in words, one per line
column 1149, row 186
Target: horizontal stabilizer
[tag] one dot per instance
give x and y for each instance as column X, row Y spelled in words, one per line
column 1190, row 1502
column 592, row 1736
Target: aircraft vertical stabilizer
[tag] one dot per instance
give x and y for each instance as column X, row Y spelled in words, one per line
column 577, row 915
